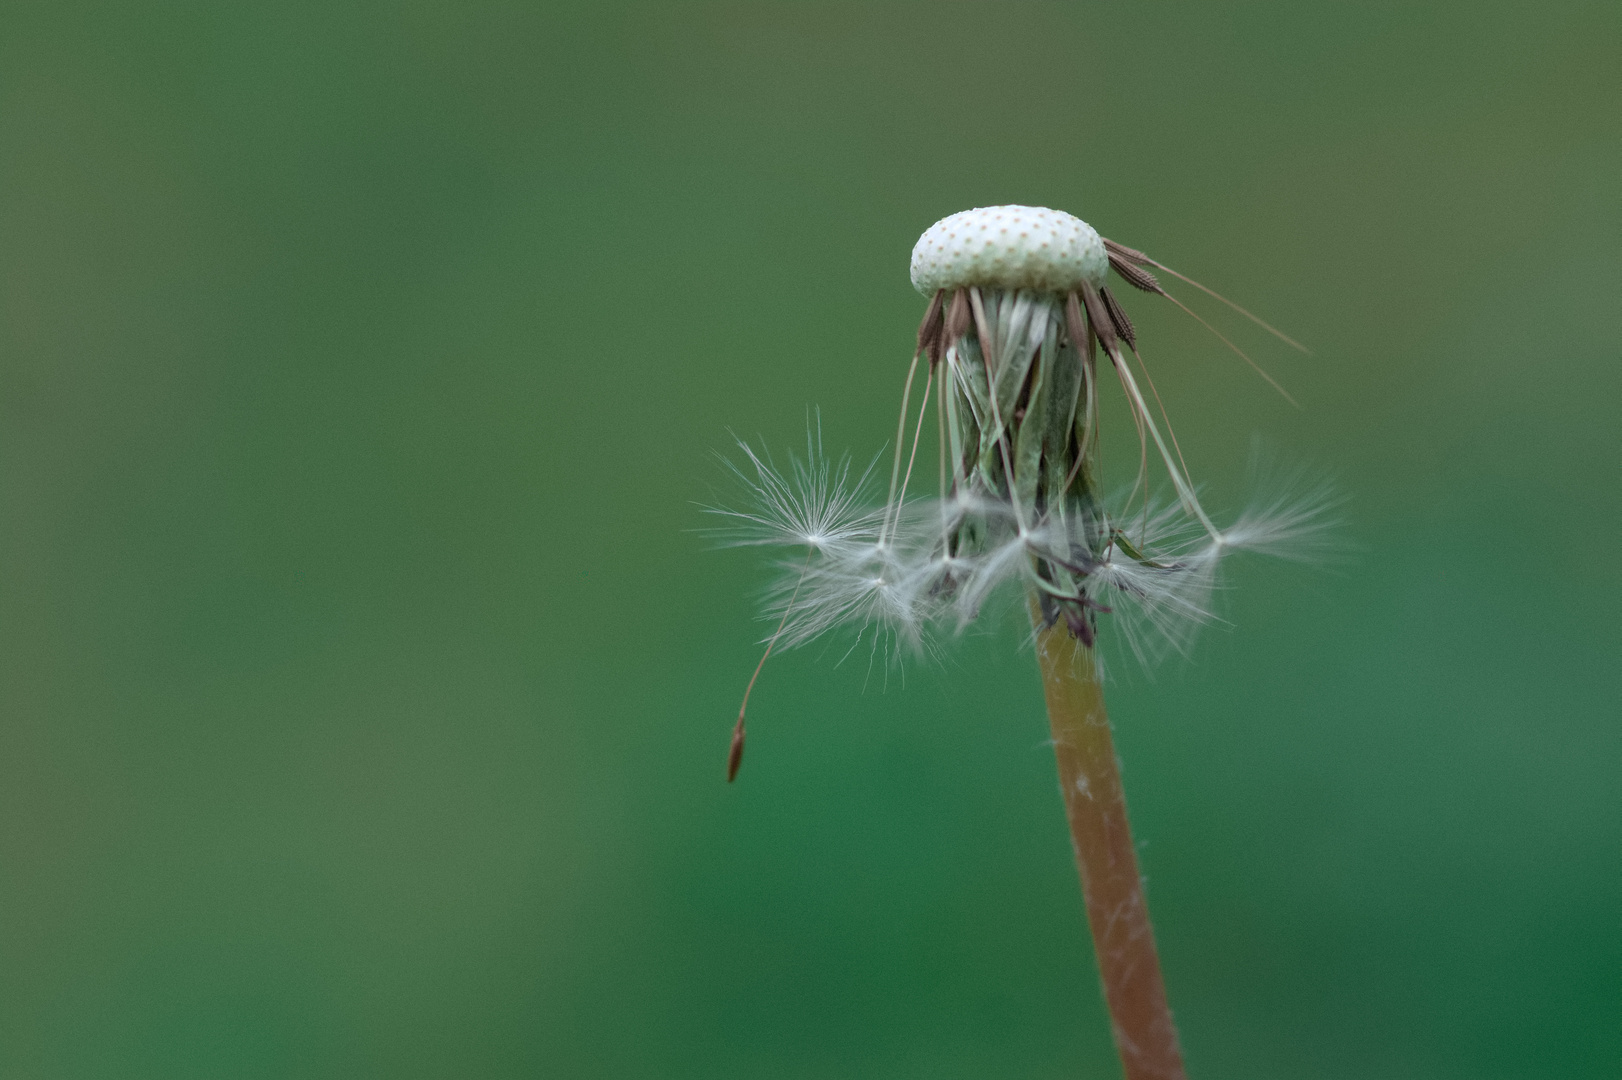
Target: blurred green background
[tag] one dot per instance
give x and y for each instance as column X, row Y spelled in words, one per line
column 365, row 687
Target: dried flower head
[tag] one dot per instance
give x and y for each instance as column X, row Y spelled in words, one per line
column 1019, row 315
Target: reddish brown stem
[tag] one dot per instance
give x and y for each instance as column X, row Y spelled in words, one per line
column 1116, row 910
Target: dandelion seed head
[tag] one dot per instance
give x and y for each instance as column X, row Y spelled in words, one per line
column 1009, row 247
column 1018, row 317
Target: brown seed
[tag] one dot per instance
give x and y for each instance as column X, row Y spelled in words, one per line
column 1131, row 255
column 929, row 331
column 1117, row 315
column 958, row 317
column 1098, row 316
column 1135, row 276
column 1075, row 324
column 735, row 752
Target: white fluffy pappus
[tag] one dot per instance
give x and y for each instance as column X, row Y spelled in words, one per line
column 884, row 574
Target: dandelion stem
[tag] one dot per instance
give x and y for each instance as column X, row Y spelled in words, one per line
column 1095, row 803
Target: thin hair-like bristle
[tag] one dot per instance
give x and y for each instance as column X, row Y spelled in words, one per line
column 1179, row 478
column 912, row 457
column 735, row 749
column 1269, row 327
column 900, row 442
column 1274, row 383
column 1164, row 415
column 1123, row 257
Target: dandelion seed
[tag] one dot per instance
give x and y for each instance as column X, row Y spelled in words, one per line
column 815, row 503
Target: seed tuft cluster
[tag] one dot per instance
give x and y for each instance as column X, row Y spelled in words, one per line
column 1019, row 325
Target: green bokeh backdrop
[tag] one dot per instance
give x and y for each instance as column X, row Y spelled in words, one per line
column 364, row 687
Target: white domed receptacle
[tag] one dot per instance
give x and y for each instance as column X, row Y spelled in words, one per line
column 1009, row 247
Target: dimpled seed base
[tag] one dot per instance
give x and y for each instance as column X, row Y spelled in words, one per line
column 1009, row 247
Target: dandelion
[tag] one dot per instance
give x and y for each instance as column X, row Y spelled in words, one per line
column 1020, row 330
